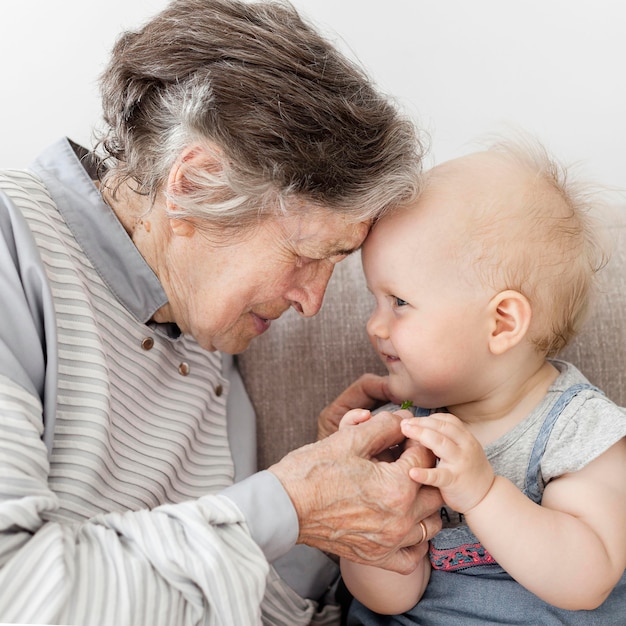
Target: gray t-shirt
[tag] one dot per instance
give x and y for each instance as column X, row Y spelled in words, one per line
column 588, row 426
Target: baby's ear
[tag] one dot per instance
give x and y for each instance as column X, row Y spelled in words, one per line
column 510, row 314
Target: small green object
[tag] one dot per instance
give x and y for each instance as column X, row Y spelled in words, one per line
column 407, row 404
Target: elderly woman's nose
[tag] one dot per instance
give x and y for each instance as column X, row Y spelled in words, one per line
column 308, row 295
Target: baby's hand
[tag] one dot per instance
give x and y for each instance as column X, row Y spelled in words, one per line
column 463, row 473
column 354, row 417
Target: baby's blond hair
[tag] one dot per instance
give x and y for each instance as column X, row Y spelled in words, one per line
column 547, row 246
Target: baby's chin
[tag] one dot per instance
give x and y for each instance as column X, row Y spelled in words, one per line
column 398, row 395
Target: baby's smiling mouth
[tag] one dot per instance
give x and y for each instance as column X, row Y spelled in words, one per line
column 389, row 357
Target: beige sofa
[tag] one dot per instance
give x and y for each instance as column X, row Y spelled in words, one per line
column 293, row 371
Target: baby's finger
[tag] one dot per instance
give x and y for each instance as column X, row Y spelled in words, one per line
column 354, row 417
column 432, row 434
column 444, row 422
column 433, row 477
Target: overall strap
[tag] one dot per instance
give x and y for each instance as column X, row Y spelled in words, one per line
column 534, row 483
column 420, row 412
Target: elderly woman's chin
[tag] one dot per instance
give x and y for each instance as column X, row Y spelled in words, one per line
column 238, row 337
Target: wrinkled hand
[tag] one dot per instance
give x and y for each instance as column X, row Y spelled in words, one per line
column 357, row 509
column 365, row 392
column 463, row 474
column 354, row 417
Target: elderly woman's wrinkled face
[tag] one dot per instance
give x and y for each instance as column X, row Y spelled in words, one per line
column 225, row 294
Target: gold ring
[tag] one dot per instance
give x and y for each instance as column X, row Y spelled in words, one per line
column 424, row 532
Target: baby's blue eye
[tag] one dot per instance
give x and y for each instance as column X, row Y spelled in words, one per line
column 399, row 301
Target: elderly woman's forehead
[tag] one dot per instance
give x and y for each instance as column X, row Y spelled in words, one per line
column 328, row 232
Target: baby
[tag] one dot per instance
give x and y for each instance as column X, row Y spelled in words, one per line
column 477, row 287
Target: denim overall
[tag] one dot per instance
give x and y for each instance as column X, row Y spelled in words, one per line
column 468, row 588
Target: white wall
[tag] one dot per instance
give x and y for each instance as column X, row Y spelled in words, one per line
column 461, row 67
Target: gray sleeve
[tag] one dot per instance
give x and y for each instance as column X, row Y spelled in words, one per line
column 28, row 354
column 590, row 426
column 269, row 512
column 273, row 524
column 24, row 288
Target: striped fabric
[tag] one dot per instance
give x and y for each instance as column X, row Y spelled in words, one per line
column 118, row 528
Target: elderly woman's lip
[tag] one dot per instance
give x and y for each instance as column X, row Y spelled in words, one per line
column 261, row 323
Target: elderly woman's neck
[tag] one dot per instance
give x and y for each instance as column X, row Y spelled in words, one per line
column 146, row 223
column 130, row 207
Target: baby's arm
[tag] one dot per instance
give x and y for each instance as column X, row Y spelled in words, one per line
column 570, row 550
column 383, row 591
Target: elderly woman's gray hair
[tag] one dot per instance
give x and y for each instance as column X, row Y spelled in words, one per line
column 284, row 113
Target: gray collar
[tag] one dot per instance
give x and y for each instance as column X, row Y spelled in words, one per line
column 66, row 169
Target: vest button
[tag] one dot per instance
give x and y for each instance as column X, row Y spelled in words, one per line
column 147, row 343
column 183, row 369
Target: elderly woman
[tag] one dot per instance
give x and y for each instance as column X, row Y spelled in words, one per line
column 243, row 157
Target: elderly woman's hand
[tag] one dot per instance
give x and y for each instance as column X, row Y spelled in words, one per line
column 357, row 509
column 366, row 392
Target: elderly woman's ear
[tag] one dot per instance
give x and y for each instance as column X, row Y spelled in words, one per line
column 193, row 158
